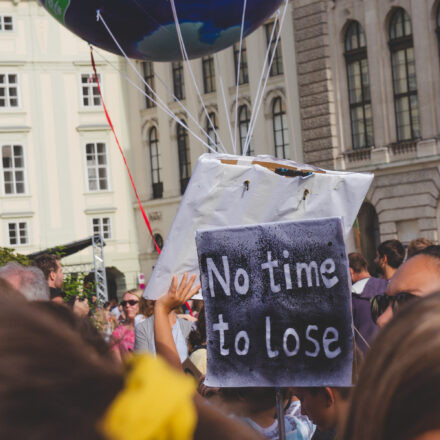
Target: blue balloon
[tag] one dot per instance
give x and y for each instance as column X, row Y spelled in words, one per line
column 146, row 29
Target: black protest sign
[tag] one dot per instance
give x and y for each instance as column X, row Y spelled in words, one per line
column 277, row 304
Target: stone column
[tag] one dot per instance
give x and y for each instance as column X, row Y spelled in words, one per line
column 315, row 82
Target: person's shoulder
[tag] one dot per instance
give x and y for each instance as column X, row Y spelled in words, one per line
column 145, row 323
column 377, row 284
column 185, row 324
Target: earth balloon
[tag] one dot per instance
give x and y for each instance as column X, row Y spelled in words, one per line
column 146, row 28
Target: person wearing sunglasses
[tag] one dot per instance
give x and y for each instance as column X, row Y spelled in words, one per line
column 122, row 339
column 418, row 276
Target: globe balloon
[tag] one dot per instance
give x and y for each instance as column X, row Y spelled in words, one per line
column 146, row 28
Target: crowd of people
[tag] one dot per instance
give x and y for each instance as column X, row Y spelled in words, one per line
column 134, row 369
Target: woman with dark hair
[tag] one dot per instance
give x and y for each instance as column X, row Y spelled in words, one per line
column 398, row 392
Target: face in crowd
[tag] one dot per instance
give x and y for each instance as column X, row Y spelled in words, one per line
column 57, row 276
column 130, row 304
column 419, row 276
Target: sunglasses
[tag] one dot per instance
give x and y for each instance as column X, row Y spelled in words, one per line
column 381, row 302
column 131, row 302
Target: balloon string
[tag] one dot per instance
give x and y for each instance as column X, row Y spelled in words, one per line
column 222, row 88
column 186, row 58
column 158, row 101
column 255, row 115
column 238, row 74
column 110, row 123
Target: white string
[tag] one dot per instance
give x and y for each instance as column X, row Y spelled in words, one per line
column 254, row 116
column 158, row 101
column 186, row 58
column 363, row 339
column 152, row 100
column 261, row 80
column 238, row 75
column 225, row 103
column 182, row 106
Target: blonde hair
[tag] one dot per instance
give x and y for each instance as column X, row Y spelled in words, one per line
column 135, row 292
column 398, row 393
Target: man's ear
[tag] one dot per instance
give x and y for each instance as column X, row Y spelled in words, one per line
column 352, row 275
column 385, row 260
column 330, row 396
column 51, row 276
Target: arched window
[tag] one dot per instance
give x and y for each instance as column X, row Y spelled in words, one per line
column 212, row 136
column 404, row 76
column 367, row 233
column 280, row 128
column 159, row 241
column 184, row 157
column 148, row 70
column 358, row 79
column 243, row 126
column 153, row 143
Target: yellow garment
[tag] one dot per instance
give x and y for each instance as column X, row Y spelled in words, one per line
column 156, row 403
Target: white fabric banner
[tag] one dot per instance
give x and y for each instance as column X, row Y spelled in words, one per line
column 227, row 190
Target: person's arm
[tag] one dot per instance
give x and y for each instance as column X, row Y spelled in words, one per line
column 177, row 295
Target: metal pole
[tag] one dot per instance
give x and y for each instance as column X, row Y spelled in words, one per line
column 280, row 414
column 99, row 269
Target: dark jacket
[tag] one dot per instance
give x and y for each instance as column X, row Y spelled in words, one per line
column 362, row 311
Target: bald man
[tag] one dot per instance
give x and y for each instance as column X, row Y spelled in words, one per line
column 419, row 276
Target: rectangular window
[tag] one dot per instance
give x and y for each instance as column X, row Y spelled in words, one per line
column 148, row 71
column 277, row 64
column 18, row 233
column 102, row 226
column 97, row 167
column 13, row 169
column 178, row 80
column 208, row 74
column 90, row 91
column 6, row 23
column 9, row 90
column 243, row 77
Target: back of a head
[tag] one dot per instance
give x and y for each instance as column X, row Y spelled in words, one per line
column 431, row 251
column 398, row 393
column 394, row 251
column 417, row 245
column 29, row 280
column 46, row 263
column 8, row 293
column 52, row 385
column 357, row 262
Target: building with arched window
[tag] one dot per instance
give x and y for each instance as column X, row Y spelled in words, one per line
column 369, row 81
column 358, row 81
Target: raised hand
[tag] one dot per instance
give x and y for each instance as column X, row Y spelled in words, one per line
column 178, row 294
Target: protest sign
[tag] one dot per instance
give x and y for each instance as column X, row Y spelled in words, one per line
column 277, row 304
column 227, row 190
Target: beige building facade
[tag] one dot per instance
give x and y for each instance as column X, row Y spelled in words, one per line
column 62, row 177
column 369, row 86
